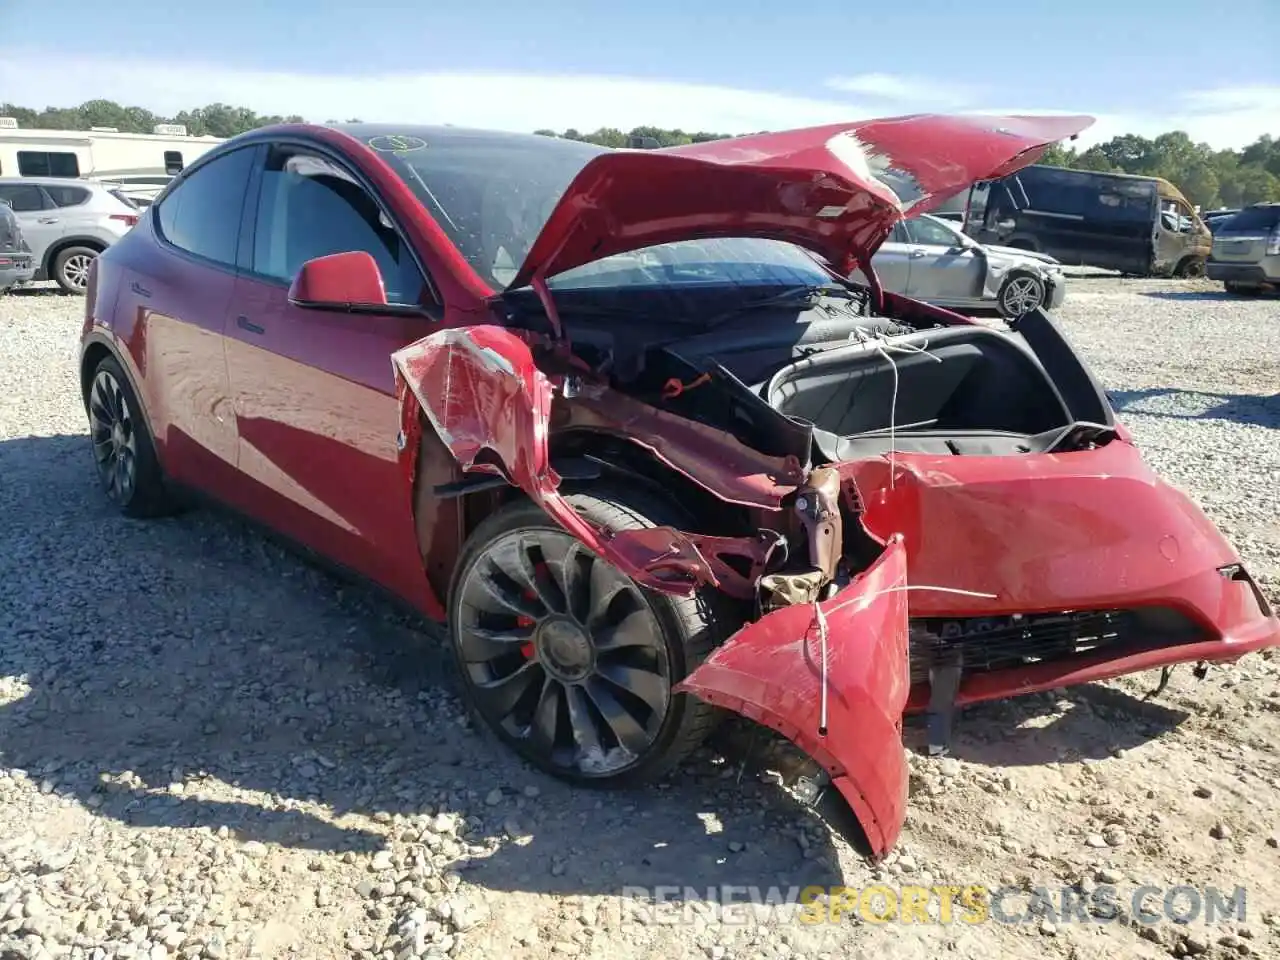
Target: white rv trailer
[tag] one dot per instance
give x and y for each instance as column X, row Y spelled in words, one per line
column 141, row 163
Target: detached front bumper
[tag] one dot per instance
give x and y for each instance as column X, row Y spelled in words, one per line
column 832, row 678
column 1058, row 570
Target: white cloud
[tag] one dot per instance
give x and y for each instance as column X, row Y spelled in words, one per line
column 1223, row 117
column 906, row 90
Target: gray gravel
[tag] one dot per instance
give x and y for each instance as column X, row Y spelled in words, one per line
column 210, row 749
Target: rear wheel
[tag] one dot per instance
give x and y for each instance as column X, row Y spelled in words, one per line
column 1243, row 289
column 566, row 658
column 71, row 268
column 1021, row 293
column 122, row 447
column 1190, row 268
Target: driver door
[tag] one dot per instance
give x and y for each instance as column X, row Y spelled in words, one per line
column 1173, row 234
column 944, row 266
column 314, row 391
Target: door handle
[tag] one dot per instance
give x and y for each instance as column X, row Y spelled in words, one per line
column 244, row 323
column 139, row 289
column 917, row 254
column 47, row 220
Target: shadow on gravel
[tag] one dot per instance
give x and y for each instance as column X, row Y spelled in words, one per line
column 1237, row 408
column 1090, row 722
column 188, row 673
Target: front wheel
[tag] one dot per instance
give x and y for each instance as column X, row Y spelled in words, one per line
column 71, row 268
column 1021, row 293
column 1190, row 268
column 566, row 658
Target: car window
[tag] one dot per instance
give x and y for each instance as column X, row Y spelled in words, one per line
column 22, row 197
column 202, row 213
column 309, row 208
column 899, row 234
column 46, row 163
column 930, row 232
column 66, row 196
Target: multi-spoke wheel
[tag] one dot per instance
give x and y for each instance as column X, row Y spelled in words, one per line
column 566, row 658
column 71, row 268
column 1022, row 292
column 122, row 449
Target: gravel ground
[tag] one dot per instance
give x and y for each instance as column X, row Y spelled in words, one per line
column 210, row 749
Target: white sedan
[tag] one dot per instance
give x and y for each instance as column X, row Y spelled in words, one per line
column 930, row 259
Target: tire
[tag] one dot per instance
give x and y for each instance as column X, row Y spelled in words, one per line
column 1242, row 289
column 1021, row 293
column 1189, row 268
column 123, row 452
column 564, row 672
column 71, row 268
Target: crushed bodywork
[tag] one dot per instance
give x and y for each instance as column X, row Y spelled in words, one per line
column 981, row 472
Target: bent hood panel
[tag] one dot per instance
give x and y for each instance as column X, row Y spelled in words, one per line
column 835, row 189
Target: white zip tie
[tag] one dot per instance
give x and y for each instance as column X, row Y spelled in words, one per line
column 820, row 617
column 883, row 346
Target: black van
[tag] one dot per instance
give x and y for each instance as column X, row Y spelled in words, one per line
column 1138, row 225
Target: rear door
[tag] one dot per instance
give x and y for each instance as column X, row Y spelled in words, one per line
column 174, row 292
column 315, row 404
column 1244, row 237
column 943, row 268
column 41, row 223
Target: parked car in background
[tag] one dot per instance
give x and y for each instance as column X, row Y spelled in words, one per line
column 621, row 422
column 1137, row 225
column 1246, row 250
column 931, row 259
column 1215, row 218
column 16, row 264
column 67, row 222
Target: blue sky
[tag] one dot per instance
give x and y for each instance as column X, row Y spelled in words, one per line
column 1135, row 64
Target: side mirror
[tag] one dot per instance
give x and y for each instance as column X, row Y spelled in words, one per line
column 340, row 281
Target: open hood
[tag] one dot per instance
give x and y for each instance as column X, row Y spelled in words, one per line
column 835, row 190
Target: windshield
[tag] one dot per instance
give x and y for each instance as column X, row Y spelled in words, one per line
column 491, row 193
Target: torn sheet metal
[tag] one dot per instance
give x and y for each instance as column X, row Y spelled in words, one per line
column 841, row 665
column 482, row 393
column 711, row 458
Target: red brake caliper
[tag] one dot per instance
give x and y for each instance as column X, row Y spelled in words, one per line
column 526, row 648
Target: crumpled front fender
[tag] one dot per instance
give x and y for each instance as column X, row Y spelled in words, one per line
column 847, row 713
column 486, row 399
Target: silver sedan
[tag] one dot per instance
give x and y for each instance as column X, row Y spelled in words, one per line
column 930, row 259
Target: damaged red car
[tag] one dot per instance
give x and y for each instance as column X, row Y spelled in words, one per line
column 622, row 422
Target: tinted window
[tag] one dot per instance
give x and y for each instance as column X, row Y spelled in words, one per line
column 1248, row 220
column 23, row 197
column 40, row 163
column 66, row 196
column 202, row 213
column 310, row 208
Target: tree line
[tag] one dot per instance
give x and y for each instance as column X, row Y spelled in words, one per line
column 1209, row 178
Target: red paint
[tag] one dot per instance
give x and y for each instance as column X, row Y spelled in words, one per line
column 314, row 421
column 340, row 278
column 488, row 401
column 772, row 670
column 813, row 187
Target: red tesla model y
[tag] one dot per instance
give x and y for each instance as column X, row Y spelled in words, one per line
column 620, row 419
